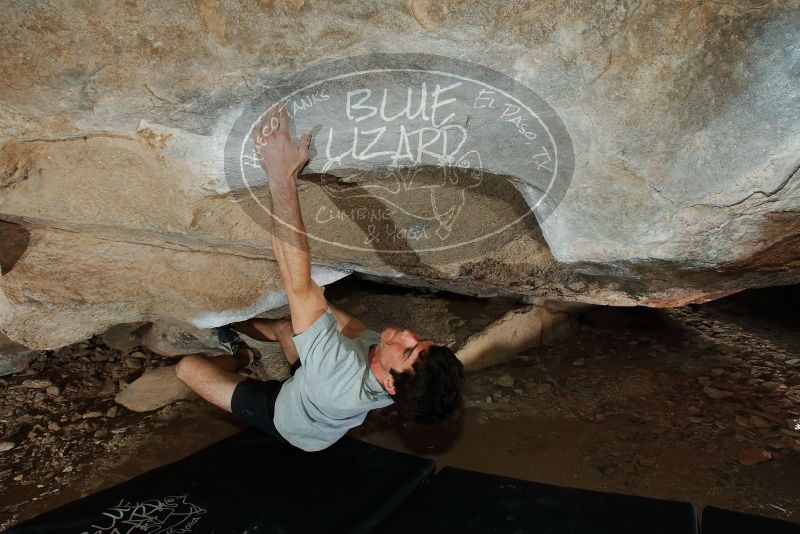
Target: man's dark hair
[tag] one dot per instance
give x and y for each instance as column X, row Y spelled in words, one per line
column 430, row 391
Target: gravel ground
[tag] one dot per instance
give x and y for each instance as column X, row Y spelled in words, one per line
column 700, row 403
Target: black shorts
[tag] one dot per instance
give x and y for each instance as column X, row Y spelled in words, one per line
column 253, row 401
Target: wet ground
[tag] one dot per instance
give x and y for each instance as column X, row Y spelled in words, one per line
column 699, row 403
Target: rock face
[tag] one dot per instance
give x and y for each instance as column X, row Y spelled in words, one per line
column 13, row 356
column 683, row 121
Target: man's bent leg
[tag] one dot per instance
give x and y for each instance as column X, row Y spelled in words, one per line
column 257, row 328
column 229, row 362
column 209, row 380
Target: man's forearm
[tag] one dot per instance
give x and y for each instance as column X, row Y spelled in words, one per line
column 289, row 240
column 282, row 161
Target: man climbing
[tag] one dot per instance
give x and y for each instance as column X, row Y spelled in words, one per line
column 340, row 369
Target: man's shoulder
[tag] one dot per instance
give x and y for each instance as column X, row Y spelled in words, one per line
column 320, row 327
column 370, row 337
column 318, row 340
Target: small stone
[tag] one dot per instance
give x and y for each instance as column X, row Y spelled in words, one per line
column 753, row 456
column 18, row 478
column 629, row 468
column 716, row 394
column 579, row 362
column 760, row 422
column 776, row 445
column 488, row 399
column 112, row 412
column 154, row 390
column 92, row 415
column 743, row 421
column 790, row 433
column 6, row 446
column 518, row 391
column 36, row 384
column 504, row 380
column 67, row 469
column 133, row 362
column 53, row 391
column 52, row 425
column 791, row 443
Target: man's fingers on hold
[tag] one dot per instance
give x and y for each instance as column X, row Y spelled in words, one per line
column 284, row 119
column 270, row 110
column 274, row 125
column 258, row 136
column 271, row 122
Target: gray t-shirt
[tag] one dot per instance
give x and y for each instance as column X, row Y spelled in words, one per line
column 333, row 389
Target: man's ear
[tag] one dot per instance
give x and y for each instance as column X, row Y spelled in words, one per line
column 390, row 385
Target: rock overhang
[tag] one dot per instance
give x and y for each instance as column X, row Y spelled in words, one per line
column 683, row 120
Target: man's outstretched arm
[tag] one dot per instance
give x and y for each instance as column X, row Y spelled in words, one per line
column 282, row 161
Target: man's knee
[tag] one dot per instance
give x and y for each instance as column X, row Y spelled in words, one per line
column 186, row 366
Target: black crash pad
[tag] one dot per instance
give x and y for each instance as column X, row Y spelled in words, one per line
column 719, row 521
column 466, row 502
column 249, row 483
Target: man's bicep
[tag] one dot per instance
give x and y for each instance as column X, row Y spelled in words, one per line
column 306, row 306
column 349, row 325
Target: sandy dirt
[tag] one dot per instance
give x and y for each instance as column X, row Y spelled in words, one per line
column 665, row 403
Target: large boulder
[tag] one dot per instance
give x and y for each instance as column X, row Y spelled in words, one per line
column 517, row 331
column 154, row 390
column 682, row 119
column 66, row 286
